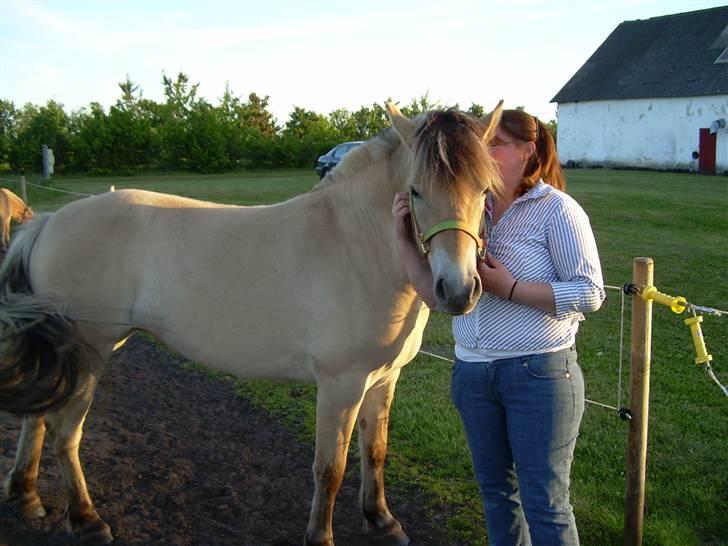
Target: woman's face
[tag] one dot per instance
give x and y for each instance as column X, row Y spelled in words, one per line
column 512, row 155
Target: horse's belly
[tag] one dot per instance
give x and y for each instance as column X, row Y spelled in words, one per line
column 280, row 346
column 247, row 359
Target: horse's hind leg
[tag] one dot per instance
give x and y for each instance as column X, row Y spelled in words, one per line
column 65, row 428
column 378, row 522
column 20, row 484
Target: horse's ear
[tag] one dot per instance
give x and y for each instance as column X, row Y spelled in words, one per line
column 404, row 127
column 490, row 122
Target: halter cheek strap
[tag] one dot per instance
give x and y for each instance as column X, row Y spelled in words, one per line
column 424, row 238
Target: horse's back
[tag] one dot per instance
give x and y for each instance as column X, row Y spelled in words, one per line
column 112, row 239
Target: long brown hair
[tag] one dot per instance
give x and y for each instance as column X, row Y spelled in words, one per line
column 544, row 164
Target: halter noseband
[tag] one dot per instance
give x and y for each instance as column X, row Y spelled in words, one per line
column 423, row 239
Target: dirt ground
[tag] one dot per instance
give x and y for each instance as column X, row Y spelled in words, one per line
column 174, row 457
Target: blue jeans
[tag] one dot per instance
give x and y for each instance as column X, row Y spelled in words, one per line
column 521, row 418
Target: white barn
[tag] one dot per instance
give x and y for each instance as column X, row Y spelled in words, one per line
column 653, row 95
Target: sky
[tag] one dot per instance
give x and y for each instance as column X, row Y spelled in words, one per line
column 318, row 55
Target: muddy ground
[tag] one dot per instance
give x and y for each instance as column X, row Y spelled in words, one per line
column 173, row 456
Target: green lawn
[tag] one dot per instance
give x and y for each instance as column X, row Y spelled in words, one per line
column 681, row 221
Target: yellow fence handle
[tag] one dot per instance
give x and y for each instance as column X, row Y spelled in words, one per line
column 698, row 340
column 677, row 304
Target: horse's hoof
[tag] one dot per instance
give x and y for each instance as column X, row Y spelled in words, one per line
column 26, row 499
column 31, row 509
column 391, row 534
column 91, row 532
column 325, row 542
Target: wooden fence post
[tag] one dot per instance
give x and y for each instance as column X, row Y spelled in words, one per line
column 23, row 189
column 642, row 276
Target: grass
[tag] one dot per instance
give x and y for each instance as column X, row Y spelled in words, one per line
column 681, row 221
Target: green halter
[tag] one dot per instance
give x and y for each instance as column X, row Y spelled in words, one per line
column 423, row 239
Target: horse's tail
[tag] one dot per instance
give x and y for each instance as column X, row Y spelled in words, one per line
column 41, row 351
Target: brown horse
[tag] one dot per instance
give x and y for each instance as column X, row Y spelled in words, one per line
column 12, row 207
column 309, row 289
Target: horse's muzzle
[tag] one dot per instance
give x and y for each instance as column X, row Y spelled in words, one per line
column 457, row 298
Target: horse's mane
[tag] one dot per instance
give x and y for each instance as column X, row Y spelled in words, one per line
column 447, row 145
column 360, row 157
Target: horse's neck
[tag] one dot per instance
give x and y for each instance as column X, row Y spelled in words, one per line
column 16, row 202
column 363, row 203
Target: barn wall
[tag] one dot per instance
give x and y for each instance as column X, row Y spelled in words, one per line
column 644, row 133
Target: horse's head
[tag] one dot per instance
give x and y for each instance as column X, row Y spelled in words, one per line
column 449, row 173
column 26, row 215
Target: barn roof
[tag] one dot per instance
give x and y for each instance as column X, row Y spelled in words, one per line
column 668, row 56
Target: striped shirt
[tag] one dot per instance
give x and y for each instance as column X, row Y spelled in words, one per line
column 544, row 236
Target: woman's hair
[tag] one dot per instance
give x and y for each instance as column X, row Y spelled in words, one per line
column 544, row 163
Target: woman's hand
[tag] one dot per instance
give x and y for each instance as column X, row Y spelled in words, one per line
column 415, row 265
column 495, row 277
column 498, row 281
column 402, row 218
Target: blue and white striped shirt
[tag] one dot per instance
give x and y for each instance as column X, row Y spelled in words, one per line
column 544, row 236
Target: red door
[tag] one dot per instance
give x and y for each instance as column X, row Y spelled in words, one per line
column 706, row 160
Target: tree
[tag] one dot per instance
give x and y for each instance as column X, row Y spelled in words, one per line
column 553, row 126
column 206, row 140
column 476, row 110
column 249, row 129
column 8, row 129
column 130, row 130
column 47, row 125
column 370, row 121
column 420, row 105
column 305, row 136
column 343, row 123
column 174, row 130
column 91, row 140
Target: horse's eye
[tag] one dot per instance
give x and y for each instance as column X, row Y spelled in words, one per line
column 414, row 193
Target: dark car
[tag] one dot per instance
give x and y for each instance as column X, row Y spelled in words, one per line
column 331, row 159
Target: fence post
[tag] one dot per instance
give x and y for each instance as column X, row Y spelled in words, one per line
column 23, row 189
column 642, row 275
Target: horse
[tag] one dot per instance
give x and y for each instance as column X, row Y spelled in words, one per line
column 309, row 289
column 12, row 207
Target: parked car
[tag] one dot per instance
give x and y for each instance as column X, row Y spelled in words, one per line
column 331, row 159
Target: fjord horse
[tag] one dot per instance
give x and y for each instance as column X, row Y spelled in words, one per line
column 309, row 289
column 14, row 208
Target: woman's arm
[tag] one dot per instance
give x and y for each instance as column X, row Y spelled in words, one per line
column 415, row 265
column 576, row 259
column 498, row 281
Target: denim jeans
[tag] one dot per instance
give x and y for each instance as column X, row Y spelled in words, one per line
column 521, row 418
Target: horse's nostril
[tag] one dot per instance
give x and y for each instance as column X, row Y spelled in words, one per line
column 440, row 291
column 477, row 289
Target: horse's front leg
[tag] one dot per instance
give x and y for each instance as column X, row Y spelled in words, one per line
column 378, row 522
column 5, row 242
column 20, row 484
column 337, row 404
column 65, row 428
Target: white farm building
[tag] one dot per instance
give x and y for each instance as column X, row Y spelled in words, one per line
column 653, row 95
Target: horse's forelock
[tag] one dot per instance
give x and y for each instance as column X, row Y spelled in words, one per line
column 448, row 148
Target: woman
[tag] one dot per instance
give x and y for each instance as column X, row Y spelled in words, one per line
column 516, row 382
